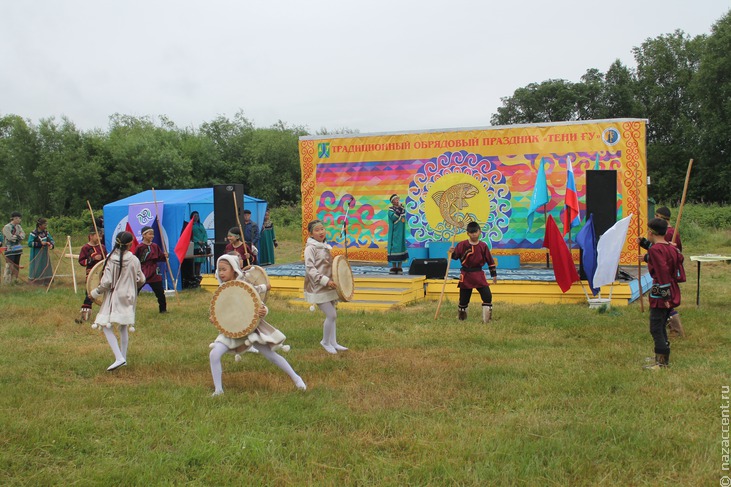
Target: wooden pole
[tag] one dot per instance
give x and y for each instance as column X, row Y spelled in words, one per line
column 71, row 259
column 238, row 222
column 55, row 270
column 96, row 230
column 164, row 250
column 682, row 201
column 446, row 275
column 639, row 258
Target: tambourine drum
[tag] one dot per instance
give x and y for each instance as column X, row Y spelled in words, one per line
column 257, row 275
column 93, row 280
column 235, row 309
column 343, row 278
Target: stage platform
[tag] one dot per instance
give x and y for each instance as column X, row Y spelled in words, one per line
column 376, row 289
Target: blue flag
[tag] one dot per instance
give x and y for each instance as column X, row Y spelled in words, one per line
column 540, row 194
column 586, row 240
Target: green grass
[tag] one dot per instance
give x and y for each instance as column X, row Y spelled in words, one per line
column 546, row 395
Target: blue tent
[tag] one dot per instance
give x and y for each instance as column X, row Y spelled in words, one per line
column 176, row 206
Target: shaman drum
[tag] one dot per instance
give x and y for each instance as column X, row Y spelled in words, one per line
column 257, row 275
column 93, row 280
column 235, row 309
column 343, row 278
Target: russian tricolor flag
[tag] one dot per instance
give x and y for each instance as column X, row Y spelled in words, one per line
column 571, row 215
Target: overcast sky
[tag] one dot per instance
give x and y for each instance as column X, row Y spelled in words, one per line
column 377, row 65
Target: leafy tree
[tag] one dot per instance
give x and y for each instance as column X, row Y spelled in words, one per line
column 713, row 89
column 19, row 149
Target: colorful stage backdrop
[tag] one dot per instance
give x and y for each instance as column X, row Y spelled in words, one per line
column 447, row 177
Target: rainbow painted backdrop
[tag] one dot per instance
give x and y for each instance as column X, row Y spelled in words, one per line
column 448, row 177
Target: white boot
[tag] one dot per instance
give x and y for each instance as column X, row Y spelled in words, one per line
column 486, row 313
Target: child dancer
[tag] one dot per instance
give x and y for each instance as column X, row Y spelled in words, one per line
column 149, row 254
column 235, row 244
column 120, row 280
column 474, row 254
column 319, row 286
column 90, row 254
column 265, row 338
column 664, row 262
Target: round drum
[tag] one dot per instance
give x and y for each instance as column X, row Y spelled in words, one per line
column 343, row 278
column 93, row 280
column 257, row 275
column 235, row 309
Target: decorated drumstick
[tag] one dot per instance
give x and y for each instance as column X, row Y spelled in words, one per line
column 96, row 230
column 164, row 250
column 238, row 221
column 446, row 273
column 345, row 225
column 682, row 202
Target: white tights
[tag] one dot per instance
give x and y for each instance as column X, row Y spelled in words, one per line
column 119, row 349
column 219, row 349
column 328, row 327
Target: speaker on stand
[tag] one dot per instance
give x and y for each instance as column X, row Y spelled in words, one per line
column 601, row 202
column 224, row 214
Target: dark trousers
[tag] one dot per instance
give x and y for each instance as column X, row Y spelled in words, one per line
column 658, row 320
column 159, row 293
column 466, row 294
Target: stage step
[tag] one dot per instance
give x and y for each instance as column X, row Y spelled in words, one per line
column 355, row 305
column 527, row 292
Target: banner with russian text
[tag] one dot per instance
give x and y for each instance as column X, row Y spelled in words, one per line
column 446, row 178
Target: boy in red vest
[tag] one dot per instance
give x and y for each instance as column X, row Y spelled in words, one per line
column 150, row 254
column 474, row 254
column 664, row 262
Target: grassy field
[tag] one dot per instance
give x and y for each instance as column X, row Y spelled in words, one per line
column 546, row 395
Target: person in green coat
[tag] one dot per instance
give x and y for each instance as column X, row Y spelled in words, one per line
column 40, row 243
column 267, row 241
column 199, row 237
column 396, row 249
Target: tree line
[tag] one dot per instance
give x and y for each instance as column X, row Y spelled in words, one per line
column 681, row 84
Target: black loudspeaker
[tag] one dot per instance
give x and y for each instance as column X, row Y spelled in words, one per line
column 224, row 214
column 601, row 202
column 431, row 268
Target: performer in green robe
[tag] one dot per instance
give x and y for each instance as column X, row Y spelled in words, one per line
column 267, row 241
column 199, row 237
column 40, row 243
column 396, row 249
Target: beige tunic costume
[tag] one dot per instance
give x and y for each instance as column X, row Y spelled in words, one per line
column 120, row 288
column 318, row 272
column 264, row 333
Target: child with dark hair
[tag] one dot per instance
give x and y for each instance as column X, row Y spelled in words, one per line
column 13, row 234
column 237, row 245
column 265, row 339
column 664, row 262
column 90, row 254
column 319, row 288
column 674, row 324
column 40, row 243
column 150, row 254
column 121, row 278
column 474, row 254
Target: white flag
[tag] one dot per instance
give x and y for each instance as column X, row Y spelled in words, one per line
column 608, row 251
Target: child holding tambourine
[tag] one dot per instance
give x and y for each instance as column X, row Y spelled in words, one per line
column 265, row 339
column 319, row 286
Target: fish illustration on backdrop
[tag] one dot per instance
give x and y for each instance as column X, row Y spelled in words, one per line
column 453, row 200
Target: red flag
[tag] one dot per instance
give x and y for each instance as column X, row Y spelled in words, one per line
column 184, row 241
column 135, row 243
column 563, row 264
